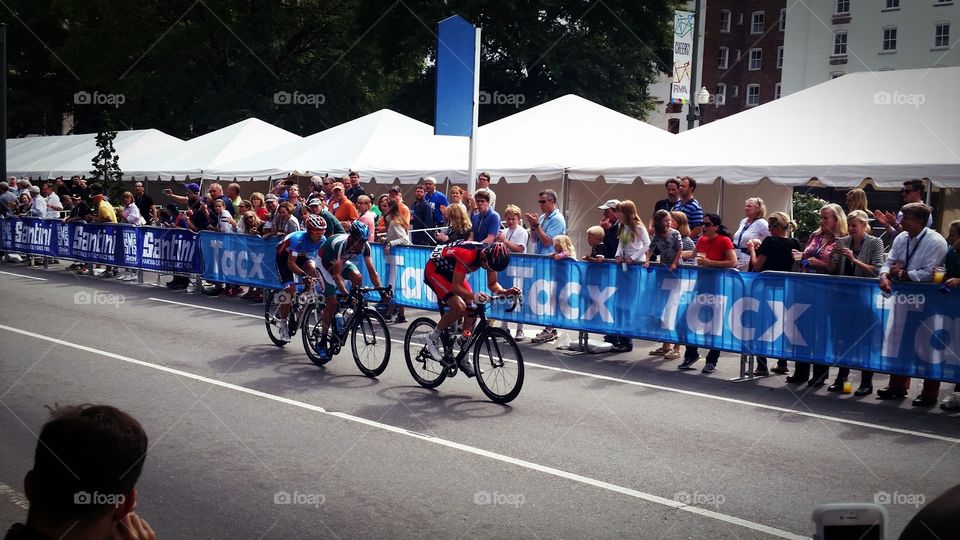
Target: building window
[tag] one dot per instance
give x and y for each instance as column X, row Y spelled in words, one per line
column 756, row 59
column 721, row 96
column 776, row 91
column 942, row 2
column 673, row 125
column 843, row 7
column 941, row 36
column 725, row 20
column 840, row 44
column 835, row 75
column 783, row 20
column 723, row 57
column 892, row 4
column 757, row 25
column 890, row 39
column 780, row 57
column 753, row 95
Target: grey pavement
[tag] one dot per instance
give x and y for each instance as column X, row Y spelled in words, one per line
column 594, row 446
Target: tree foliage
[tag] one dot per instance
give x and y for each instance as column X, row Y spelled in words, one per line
column 188, row 67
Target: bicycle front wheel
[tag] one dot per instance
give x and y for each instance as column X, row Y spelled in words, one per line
column 499, row 365
column 370, row 341
column 271, row 315
column 426, row 370
column 312, row 334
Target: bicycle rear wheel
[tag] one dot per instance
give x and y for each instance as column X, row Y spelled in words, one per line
column 271, row 315
column 426, row 370
column 370, row 341
column 499, row 365
column 313, row 334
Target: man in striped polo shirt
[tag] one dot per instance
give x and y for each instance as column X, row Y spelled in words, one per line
column 690, row 206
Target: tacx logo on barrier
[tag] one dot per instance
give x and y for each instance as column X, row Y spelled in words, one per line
column 243, row 264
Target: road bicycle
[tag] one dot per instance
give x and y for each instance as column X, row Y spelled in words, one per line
column 304, row 302
column 496, row 357
column 354, row 320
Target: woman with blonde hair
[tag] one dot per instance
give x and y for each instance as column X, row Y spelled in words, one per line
column 458, row 225
column 857, row 200
column 634, row 239
column 682, row 225
column 259, row 204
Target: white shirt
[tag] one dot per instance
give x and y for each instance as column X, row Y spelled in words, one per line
column 635, row 251
column 927, row 250
column 131, row 214
column 516, row 235
column 38, row 208
column 54, row 206
column 758, row 229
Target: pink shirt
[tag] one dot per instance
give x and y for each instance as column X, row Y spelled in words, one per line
column 819, row 250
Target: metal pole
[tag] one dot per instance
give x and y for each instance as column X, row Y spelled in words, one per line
column 692, row 102
column 3, row 100
column 472, row 172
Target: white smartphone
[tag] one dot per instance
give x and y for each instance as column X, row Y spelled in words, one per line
column 850, row 521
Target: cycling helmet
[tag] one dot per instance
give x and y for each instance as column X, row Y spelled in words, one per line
column 497, row 255
column 359, row 230
column 316, row 223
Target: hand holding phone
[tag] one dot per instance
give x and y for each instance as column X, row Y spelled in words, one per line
column 850, row 521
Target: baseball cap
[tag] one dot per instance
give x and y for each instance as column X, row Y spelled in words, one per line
column 314, row 202
column 271, row 197
column 338, row 185
column 193, row 187
column 612, row 203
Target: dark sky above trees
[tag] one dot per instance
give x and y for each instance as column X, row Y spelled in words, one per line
column 188, row 67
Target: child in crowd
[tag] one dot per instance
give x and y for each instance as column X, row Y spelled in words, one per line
column 598, row 250
column 669, row 243
column 563, row 249
column 515, row 238
column 682, row 225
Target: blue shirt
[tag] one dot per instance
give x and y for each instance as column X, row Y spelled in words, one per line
column 485, row 224
column 552, row 224
column 436, row 200
column 300, row 243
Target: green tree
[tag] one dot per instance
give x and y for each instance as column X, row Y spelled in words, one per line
column 106, row 165
column 806, row 213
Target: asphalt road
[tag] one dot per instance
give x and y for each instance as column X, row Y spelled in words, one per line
column 251, row 441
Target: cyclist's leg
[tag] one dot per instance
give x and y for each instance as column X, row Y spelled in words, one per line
column 442, row 287
column 287, row 283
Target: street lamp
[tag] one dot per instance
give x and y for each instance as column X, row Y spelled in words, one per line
column 702, row 99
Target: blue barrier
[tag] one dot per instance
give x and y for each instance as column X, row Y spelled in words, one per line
column 824, row 319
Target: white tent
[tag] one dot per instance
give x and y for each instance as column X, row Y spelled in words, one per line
column 562, row 134
column 889, row 126
column 383, row 145
column 70, row 155
column 193, row 157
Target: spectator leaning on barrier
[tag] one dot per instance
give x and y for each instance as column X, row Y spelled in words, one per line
column 422, row 219
column 774, row 254
column 259, row 204
column 216, row 193
column 84, row 452
column 221, row 218
column 515, row 238
column 547, row 225
column 397, row 234
column 857, row 255
column 952, row 280
column 914, row 255
column 199, row 214
column 383, row 203
column 131, row 216
column 678, row 220
column 38, row 203
column 438, row 201
column 485, row 224
column 715, row 250
column 912, row 192
column 753, row 229
column 668, row 243
column 483, row 182
column 815, row 259
column 24, row 202
column 367, row 216
column 690, row 206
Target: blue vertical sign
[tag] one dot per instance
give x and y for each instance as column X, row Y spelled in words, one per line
column 456, row 69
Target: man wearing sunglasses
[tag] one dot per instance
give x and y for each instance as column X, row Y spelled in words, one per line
column 548, row 224
column 912, row 192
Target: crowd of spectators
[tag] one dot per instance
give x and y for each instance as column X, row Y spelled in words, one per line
column 677, row 233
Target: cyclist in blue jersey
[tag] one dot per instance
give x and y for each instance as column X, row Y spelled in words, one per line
column 295, row 257
column 335, row 265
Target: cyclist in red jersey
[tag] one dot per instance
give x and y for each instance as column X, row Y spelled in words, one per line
column 446, row 274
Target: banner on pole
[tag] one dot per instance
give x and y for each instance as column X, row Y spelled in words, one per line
column 456, row 68
column 683, row 32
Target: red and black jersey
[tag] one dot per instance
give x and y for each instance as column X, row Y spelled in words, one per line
column 463, row 255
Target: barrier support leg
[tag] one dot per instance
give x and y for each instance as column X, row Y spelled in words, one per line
column 746, row 369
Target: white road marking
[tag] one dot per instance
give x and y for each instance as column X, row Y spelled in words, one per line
column 14, row 496
column 735, row 401
column 435, row 440
column 206, row 308
column 23, row 276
